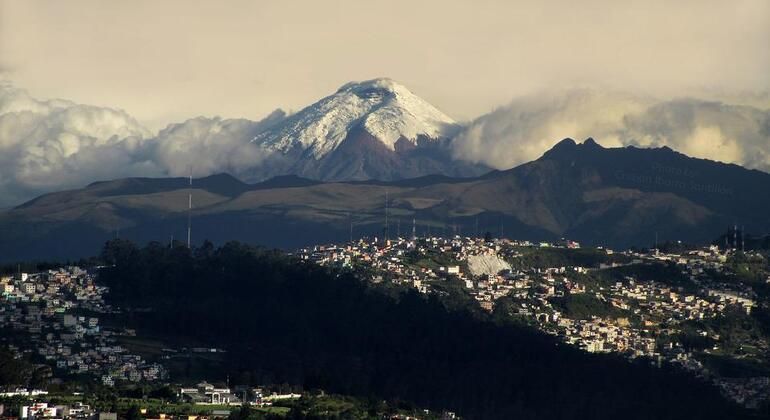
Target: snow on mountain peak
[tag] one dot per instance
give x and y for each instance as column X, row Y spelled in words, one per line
column 384, row 108
column 382, row 85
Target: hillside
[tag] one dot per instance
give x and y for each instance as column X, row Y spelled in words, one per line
column 611, row 196
column 293, row 322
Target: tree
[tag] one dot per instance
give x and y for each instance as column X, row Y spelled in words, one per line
column 133, row 413
column 244, row 413
column 118, row 252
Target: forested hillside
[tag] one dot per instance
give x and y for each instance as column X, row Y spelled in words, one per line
column 285, row 321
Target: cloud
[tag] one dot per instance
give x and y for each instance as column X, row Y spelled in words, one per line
column 212, row 145
column 49, row 145
column 706, row 129
column 528, row 126
column 55, row 144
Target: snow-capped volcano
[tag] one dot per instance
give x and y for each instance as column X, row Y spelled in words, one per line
column 384, row 109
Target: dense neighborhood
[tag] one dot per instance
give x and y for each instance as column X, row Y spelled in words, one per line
column 648, row 305
column 55, row 315
column 629, row 314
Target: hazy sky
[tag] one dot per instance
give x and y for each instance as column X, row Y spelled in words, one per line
column 163, row 61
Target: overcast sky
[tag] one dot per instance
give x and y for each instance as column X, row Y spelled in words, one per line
column 163, row 61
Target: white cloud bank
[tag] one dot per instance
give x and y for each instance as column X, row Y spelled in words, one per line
column 48, row 145
column 211, row 145
column 522, row 130
column 56, row 144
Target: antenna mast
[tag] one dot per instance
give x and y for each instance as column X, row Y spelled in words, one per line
column 743, row 238
column 350, row 216
column 189, row 211
column 727, row 239
column 386, row 215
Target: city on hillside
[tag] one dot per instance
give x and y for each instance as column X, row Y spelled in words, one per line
column 677, row 307
column 667, row 307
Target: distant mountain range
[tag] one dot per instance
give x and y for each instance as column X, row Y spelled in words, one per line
column 611, row 196
column 369, row 130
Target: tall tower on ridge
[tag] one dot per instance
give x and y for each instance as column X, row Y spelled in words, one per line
column 189, row 212
column 350, row 217
column 386, row 216
column 743, row 238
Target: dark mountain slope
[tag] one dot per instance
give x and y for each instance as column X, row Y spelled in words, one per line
column 723, row 188
column 616, row 197
column 361, row 156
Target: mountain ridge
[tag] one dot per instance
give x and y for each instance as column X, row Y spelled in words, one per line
column 385, row 109
column 597, row 195
column 375, row 129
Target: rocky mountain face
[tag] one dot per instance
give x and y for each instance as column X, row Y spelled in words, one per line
column 376, row 129
column 605, row 196
column 384, row 109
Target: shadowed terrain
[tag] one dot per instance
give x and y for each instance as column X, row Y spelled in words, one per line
column 611, row 196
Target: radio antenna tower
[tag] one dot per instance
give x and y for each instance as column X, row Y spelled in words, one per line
column 189, row 212
column 727, row 239
column 414, row 228
column 743, row 238
column 350, row 217
column 386, row 215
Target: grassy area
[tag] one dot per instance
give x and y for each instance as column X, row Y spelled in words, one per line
column 308, row 406
column 430, row 260
column 344, row 407
column 156, row 406
column 532, row 257
column 144, row 347
column 731, row 367
column 182, row 367
column 273, row 410
column 586, row 305
column 664, row 273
